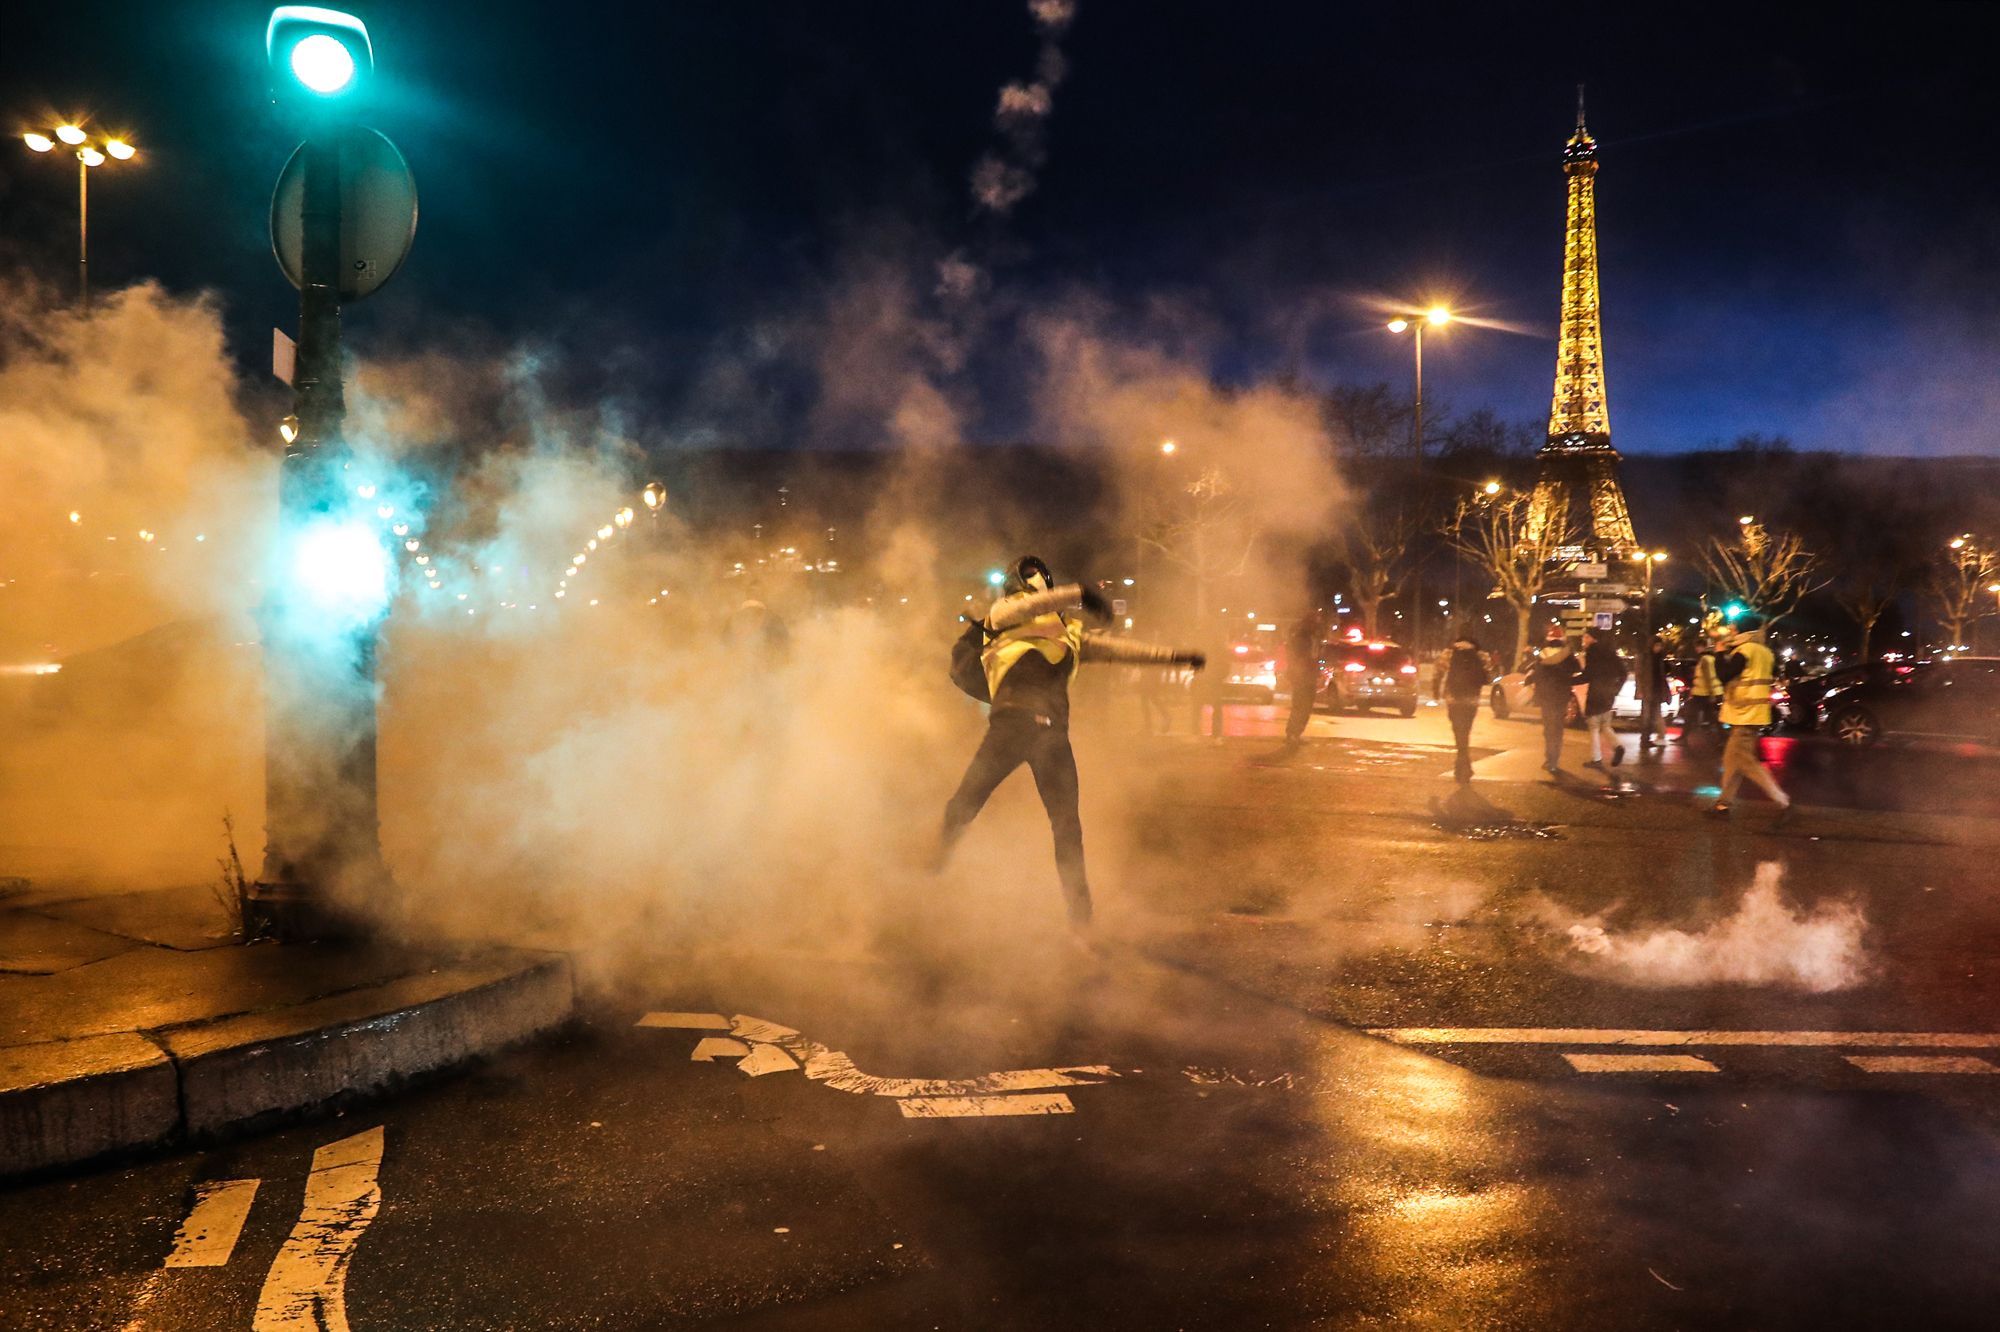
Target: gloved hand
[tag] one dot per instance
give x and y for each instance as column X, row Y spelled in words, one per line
column 1094, row 603
column 1195, row 659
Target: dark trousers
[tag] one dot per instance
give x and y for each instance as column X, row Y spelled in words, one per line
column 1462, row 711
column 1303, row 689
column 1553, row 720
column 1014, row 738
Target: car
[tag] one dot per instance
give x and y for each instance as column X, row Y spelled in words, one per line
column 1359, row 674
column 1805, row 694
column 1512, row 693
column 1254, row 667
column 1934, row 700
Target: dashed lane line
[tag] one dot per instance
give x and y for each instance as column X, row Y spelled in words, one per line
column 971, row 1107
column 1921, row 1064
column 1935, row 1040
column 1639, row 1063
column 208, row 1236
column 306, row 1289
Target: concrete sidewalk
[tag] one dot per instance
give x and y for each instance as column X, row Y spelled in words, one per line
column 135, row 1019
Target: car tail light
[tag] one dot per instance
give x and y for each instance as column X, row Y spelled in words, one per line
column 1409, row 670
column 1354, row 666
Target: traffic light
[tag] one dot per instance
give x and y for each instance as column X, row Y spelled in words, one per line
column 317, row 56
column 1734, row 611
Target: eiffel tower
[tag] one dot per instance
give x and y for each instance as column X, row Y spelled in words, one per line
column 1578, row 504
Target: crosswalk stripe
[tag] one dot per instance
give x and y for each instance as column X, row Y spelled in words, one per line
column 965, row 1107
column 208, row 1236
column 1921, row 1064
column 1638, row 1063
column 685, row 1021
column 306, row 1289
column 1937, row 1040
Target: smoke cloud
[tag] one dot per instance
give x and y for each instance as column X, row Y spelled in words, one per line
column 1764, row 941
column 1006, row 175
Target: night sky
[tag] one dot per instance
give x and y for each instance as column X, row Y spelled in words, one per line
column 1799, row 216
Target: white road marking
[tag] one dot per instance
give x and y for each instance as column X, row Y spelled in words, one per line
column 1941, row 1040
column 306, row 1290
column 1639, row 1063
column 963, row 1107
column 208, row 1236
column 710, row 1048
column 766, row 1059
column 1921, row 1064
column 685, row 1021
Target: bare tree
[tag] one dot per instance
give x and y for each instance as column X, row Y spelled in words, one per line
column 1374, row 549
column 1203, row 528
column 1492, row 532
column 1959, row 587
column 1769, row 571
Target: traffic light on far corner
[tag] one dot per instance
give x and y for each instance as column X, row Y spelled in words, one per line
column 317, row 56
column 1735, row 611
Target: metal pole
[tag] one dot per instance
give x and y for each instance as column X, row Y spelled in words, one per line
column 1417, row 485
column 1649, row 701
column 321, row 823
column 82, row 232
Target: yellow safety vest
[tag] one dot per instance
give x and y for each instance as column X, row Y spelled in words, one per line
column 1746, row 700
column 1051, row 635
column 1706, row 685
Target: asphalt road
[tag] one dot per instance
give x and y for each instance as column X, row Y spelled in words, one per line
column 1355, row 1051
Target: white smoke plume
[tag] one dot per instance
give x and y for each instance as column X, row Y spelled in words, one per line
column 1764, row 941
column 1006, row 175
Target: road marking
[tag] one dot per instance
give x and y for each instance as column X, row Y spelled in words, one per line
column 1941, row 1040
column 964, row 1107
column 766, row 1059
column 208, row 1236
column 1921, row 1064
column 710, row 1048
column 306, row 1290
column 685, row 1021
column 1638, row 1063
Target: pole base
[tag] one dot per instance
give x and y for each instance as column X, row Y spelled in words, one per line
column 297, row 913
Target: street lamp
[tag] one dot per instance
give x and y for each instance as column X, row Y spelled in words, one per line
column 1435, row 317
column 1649, row 707
column 92, row 150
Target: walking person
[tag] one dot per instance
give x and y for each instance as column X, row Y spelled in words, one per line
column 1464, row 679
column 1029, row 649
column 1747, row 670
column 1704, row 695
column 1303, row 655
column 1552, row 678
column 1603, row 676
column 1652, row 693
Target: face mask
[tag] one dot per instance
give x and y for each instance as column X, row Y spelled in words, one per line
column 1038, row 582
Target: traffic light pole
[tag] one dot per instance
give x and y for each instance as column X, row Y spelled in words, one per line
column 322, row 831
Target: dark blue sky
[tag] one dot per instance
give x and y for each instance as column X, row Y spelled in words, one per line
column 1799, row 219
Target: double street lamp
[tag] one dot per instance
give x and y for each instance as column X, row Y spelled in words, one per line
column 1435, row 317
column 92, row 150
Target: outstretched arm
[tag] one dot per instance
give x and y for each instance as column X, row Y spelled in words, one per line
column 1025, row 606
column 1109, row 647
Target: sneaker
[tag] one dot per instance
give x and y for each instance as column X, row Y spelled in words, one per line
column 1617, row 756
column 1784, row 815
column 1597, row 764
column 1720, row 809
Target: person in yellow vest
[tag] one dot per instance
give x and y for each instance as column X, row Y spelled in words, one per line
column 1032, row 648
column 1704, row 693
column 1747, row 670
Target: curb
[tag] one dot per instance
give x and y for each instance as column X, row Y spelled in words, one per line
column 147, row 1089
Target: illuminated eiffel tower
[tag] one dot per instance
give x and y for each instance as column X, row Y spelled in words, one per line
column 1577, row 499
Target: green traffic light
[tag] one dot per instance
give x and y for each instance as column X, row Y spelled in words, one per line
column 996, row 577
column 1734, row 611
column 323, row 63
column 322, row 54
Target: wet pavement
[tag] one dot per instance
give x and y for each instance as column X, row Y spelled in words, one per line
column 1339, row 1061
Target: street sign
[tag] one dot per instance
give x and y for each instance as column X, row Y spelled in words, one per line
column 1598, row 570
column 1601, row 620
column 1606, row 589
column 1603, row 606
column 378, row 212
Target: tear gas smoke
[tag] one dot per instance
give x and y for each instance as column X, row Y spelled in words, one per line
column 1006, row 175
column 1764, row 941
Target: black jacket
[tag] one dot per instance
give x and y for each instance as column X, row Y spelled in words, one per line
column 1604, row 675
column 1465, row 675
column 1551, row 680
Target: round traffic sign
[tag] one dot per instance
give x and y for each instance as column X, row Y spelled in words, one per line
column 378, row 212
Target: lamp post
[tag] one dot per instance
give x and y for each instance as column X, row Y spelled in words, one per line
column 1437, row 317
column 1649, row 698
column 92, row 150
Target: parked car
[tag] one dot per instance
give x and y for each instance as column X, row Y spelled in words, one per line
column 1362, row 674
column 1804, row 695
column 1512, row 693
column 1934, row 700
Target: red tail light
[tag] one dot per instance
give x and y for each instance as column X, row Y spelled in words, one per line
column 1354, row 666
column 1409, row 670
